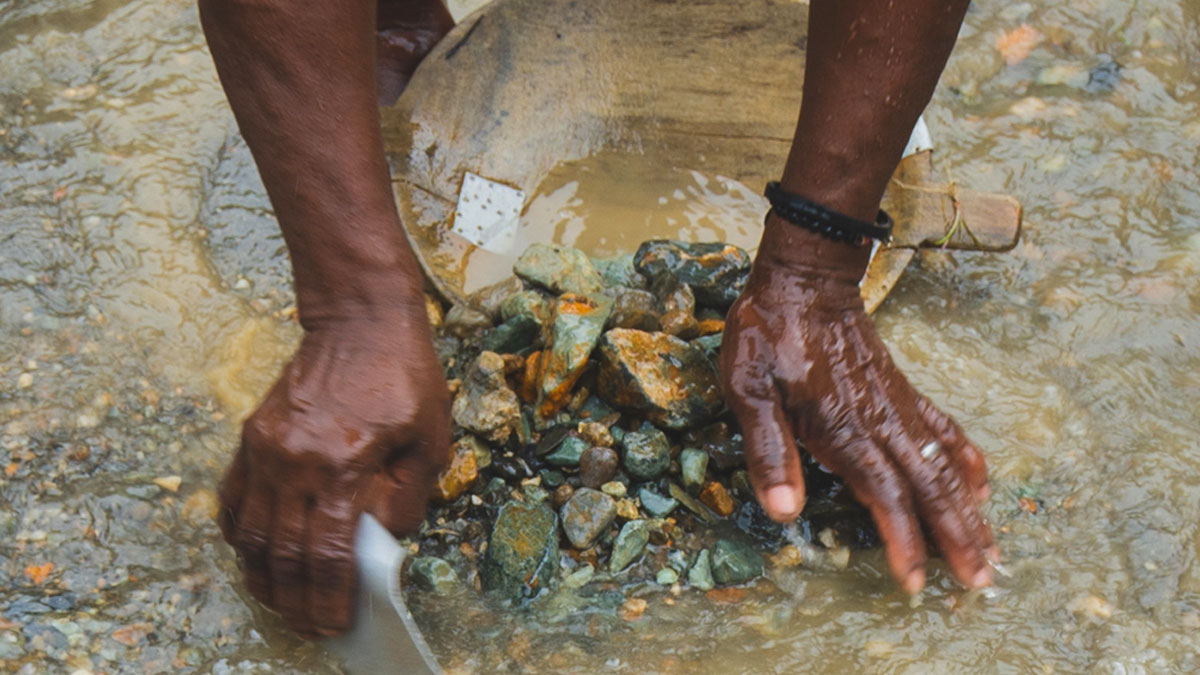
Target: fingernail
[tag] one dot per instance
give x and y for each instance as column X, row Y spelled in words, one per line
column 982, row 578
column 781, row 501
column 993, row 554
column 914, row 582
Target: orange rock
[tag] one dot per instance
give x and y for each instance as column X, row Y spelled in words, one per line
column 1028, row 505
column 727, row 596
column 711, row 326
column 39, row 573
column 716, row 497
column 457, row 477
column 1016, row 44
column 533, row 375
column 633, row 609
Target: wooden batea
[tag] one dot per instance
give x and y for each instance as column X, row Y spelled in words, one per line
column 707, row 85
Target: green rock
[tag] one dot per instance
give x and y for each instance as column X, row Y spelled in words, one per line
column 717, row 272
column 433, row 574
column 734, row 562
column 647, row 453
column 586, row 515
column 552, row 478
column 630, row 543
column 560, row 269
column 693, row 465
column 668, row 380
column 529, row 304
column 700, row 575
column 666, row 576
column 517, row 335
column 656, row 504
column 568, row 452
column 522, row 555
column 578, row 323
column 535, row 493
column 618, row 271
column 580, row 577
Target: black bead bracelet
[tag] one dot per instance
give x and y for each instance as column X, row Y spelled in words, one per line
column 824, row 221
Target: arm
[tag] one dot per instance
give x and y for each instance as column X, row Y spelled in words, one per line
column 801, row 358
column 359, row 420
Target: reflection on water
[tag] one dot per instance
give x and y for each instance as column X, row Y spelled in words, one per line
column 144, row 304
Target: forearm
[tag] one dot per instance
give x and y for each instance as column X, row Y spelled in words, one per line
column 300, row 79
column 872, row 67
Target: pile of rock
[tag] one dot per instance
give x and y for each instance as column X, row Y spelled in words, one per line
column 592, row 437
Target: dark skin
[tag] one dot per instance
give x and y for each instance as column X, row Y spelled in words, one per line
column 359, row 420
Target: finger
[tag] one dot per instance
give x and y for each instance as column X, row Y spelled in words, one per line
column 230, row 495
column 285, row 562
column 954, row 440
column 330, row 562
column 251, row 539
column 878, row 484
column 400, row 493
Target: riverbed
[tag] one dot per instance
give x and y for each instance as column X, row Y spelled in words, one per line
column 145, row 304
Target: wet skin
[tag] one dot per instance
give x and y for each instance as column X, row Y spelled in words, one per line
column 359, row 420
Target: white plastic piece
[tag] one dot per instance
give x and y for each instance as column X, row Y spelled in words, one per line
column 487, row 213
column 920, row 139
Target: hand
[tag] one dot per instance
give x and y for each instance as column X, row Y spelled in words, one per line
column 359, row 420
column 801, row 359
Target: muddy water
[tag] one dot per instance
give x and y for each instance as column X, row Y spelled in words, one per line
column 144, row 304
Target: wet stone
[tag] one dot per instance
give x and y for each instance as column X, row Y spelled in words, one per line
column 586, row 515
column 485, row 404
column 680, row 324
column 655, row 504
column 635, row 309
column 560, row 269
column 615, row 489
column 717, row 272
column 670, row 381
column 619, row 271
column 693, row 465
column 578, row 323
column 466, row 322
column 460, row 473
column 490, row 298
column 734, row 562
column 522, row 554
column 518, row 334
column 647, row 453
column 433, row 574
column 529, row 304
column 751, row 519
column 568, row 452
column 675, row 296
column 597, row 466
column 716, row 497
column 551, row 478
column 700, row 574
column 629, row 544
column 595, row 433
column 626, row 508
column 562, row 494
column 666, row 576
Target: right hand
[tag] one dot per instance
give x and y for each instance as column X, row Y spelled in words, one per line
column 358, row 421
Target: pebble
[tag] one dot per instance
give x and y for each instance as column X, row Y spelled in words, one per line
column 25, row 380
column 615, row 489
column 629, row 544
column 527, row 303
column 656, row 504
column 680, row 324
column 635, row 309
column 700, row 573
column 633, row 609
column 433, row 574
column 559, row 269
column 734, row 562
column 200, row 507
column 693, row 465
column 466, row 322
column 666, row 576
column 597, row 466
column 522, row 553
column 595, row 433
column 647, row 453
column 561, row 495
column 586, row 516
column 716, row 497
column 462, row 471
column 484, row 404
column 569, row 452
column 169, row 483
column 626, row 508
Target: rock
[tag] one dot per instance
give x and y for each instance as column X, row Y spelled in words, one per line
column 647, row 453
column 751, row 519
column 666, row 576
column 689, row 502
column 597, row 466
column 434, row 311
column 618, row 271
column 202, row 506
column 717, row 272
column 522, row 554
column 693, row 465
column 632, row 609
column 489, row 299
column 615, row 489
column 580, row 577
column 562, row 495
column 734, row 562
column 728, row 453
column 466, row 322
column 1105, row 76
column 483, row 454
column 670, row 381
column 528, row 303
column 518, row 334
column 552, row 478
column 560, row 269
column 716, row 497
column 629, row 544
column 568, row 453
column 433, row 574
column 626, row 508
column 586, row 515
column 578, row 323
column 635, row 309
column 675, row 296
column 680, row 324
column 656, row 504
column 485, row 404
column 595, row 433
column 462, row 471
column 700, row 574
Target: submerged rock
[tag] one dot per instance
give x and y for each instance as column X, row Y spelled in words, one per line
column 433, row 574
column 561, row 269
column 586, row 515
column 578, row 323
column 460, row 473
column 670, row 381
column 700, row 573
column 717, row 272
column 647, row 453
column 485, row 404
column 629, row 544
column 734, row 562
column 597, row 466
column 522, row 554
